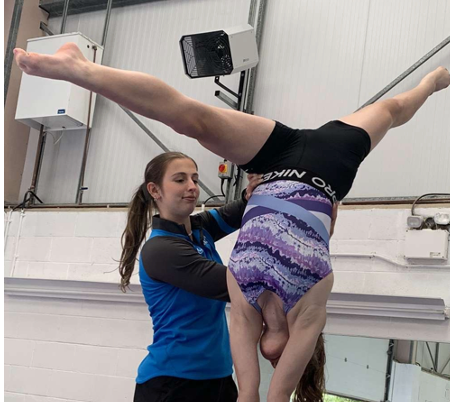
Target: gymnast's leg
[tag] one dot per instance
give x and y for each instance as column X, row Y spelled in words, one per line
column 381, row 116
column 233, row 135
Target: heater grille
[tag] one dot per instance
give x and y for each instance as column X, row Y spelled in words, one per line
column 207, row 54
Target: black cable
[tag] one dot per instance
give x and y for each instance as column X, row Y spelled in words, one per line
column 222, row 180
column 210, row 198
column 422, row 196
column 221, row 187
column 26, row 200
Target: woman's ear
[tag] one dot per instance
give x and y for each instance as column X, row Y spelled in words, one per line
column 153, row 190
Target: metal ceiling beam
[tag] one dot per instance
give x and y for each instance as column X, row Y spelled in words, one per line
column 12, row 38
column 55, row 7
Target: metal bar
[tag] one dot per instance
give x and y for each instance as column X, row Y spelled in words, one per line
column 431, row 356
column 260, row 22
column 80, row 189
column 253, row 72
column 252, row 12
column 54, row 7
column 401, row 77
column 145, row 129
column 224, row 98
column 390, row 353
column 391, row 201
column 64, row 16
column 436, row 356
column 44, row 27
column 12, row 39
column 153, row 137
column 38, row 161
column 242, row 86
column 242, row 92
column 95, row 205
column 106, row 26
column 413, row 352
column 228, row 197
column 445, row 365
column 217, row 81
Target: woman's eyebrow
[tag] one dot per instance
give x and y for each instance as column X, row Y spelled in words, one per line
column 183, row 174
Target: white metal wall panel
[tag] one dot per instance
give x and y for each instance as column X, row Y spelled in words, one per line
column 433, row 388
column 311, row 60
column 61, row 166
column 143, row 38
column 356, row 367
column 412, row 159
column 322, row 59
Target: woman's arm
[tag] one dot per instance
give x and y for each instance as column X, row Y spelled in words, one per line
column 174, row 261
column 221, row 222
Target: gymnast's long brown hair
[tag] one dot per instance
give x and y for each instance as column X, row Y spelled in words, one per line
column 312, row 384
column 140, row 212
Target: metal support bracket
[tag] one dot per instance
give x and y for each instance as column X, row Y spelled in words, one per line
column 226, row 99
column 44, row 27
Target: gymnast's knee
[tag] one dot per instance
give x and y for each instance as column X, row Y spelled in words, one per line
column 393, row 108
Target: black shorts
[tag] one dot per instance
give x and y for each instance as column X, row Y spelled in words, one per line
column 330, row 155
column 173, row 389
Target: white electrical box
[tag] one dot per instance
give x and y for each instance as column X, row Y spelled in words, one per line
column 244, row 50
column 58, row 105
column 427, row 244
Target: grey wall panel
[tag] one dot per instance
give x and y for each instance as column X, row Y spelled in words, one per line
column 412, row 159
column 61, row 167
column 356, row 367
column 311, row 60
column 322, row 59
column 145, row 38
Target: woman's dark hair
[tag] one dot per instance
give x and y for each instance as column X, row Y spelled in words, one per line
column 141, row 209
column 311, row 386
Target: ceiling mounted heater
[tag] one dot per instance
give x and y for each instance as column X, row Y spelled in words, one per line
column 219, row 52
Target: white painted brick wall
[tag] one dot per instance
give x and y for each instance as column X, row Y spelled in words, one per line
column 83, row 245
column 35, row 248
column 71, row 249
column 58, row 350
column 78, row 350
column 18, row 352
column 97, row 224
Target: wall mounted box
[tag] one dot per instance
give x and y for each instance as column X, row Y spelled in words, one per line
column 427, row 244
column 58, row 105
column 217, row 53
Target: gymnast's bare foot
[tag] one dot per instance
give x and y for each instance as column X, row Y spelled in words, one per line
column 275, row 333
column 440, row 78
column 66, row 64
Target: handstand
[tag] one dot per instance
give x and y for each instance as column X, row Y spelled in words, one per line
column 282, row 252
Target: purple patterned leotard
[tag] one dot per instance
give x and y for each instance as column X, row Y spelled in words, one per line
column 283, row 245
column 283, row 242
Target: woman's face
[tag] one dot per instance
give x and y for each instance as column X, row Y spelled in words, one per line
column 177, row 196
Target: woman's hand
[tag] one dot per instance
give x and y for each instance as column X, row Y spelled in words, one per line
column 254, row 180
column 333, row 217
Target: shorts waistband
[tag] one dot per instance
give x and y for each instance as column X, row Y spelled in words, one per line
column 303, row 176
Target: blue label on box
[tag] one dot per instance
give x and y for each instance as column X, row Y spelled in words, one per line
column 61, row 111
